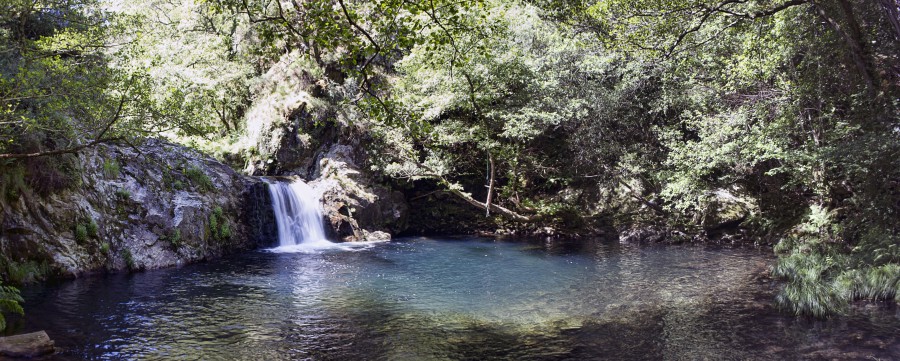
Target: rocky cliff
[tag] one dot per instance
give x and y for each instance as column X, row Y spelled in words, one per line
column 149, row 206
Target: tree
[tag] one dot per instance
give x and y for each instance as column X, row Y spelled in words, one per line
column 77, row 74
column 52, row 75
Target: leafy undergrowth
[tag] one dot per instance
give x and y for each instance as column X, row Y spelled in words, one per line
column 10, row 300
column 824, row 274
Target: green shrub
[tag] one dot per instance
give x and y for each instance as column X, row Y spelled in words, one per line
column 48, row 175
column 12, row 181
column 104, row 248
column 92, row 229
column 111, row 169
column 25, row 272
column 10, row 302
column 218, row 225
column 174, row 238
column 123, row 194
column 199, row 179
column 821, row 278
column 129, row 258
column 81, row 233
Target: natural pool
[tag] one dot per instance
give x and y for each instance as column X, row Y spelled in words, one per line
column 453, row 299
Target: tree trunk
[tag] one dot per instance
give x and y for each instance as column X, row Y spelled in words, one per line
column 223, row 115
column 490, row 186
column 853, row 38
column 500, row 210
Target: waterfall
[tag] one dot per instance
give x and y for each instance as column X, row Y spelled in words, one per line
column 299, row 216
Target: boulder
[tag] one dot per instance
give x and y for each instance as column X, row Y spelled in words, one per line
column 377, row 236
column 726, row 211
column 26, row 345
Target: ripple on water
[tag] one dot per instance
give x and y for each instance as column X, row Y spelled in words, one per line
column 451, row 299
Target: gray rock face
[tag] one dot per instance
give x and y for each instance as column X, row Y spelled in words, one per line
column 26, row 345
column 356, row 208
column 259, row 216
column 148, row 207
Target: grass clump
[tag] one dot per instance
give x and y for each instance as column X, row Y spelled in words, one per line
column 123, row 194
column 873, row 283
column 111, row 169
column 129, row 259
column 199, row 179
column 218, row 226
column 822, row 278
column 85, row 230
column 104, row 248
column 174, row 238
column 92, row 229
column 225, row 231
column 81, row 233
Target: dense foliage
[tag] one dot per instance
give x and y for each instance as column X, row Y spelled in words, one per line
column 774, row 121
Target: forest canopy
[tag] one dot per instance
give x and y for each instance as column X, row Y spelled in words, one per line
column 768, row 121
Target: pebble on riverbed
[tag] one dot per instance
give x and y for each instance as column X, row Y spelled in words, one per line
column 26, row 345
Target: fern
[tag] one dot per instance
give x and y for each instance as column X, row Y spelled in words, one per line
column 10, row 302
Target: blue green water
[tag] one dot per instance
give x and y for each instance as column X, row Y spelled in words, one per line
column 452, row 299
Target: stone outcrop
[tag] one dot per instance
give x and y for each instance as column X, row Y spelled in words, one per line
column 299, row 130
column 259, row 217
column 150, row 206
column 355, row 207
column 27, row 345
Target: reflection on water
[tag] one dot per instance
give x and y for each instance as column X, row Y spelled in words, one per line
column 462, row 299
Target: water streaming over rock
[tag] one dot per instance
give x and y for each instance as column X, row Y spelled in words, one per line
column 299, row 216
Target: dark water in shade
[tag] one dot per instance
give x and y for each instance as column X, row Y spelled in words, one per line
column 453, row 299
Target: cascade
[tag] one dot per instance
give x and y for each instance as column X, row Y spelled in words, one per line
column 298, row 214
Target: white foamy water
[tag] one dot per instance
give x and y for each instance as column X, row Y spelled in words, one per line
column 298, row 213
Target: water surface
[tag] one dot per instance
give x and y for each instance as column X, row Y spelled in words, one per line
column 453, row 299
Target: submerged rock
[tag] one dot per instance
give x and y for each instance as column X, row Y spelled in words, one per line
column 26, row 345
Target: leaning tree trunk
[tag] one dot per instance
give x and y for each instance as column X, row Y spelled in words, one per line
column 852, row 36
column 490, row 186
